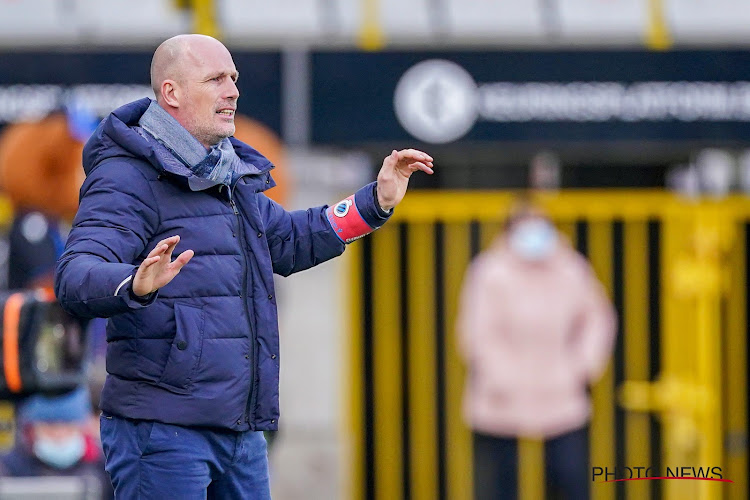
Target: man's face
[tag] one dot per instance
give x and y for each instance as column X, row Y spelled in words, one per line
column 58, row 444
column 209, row 97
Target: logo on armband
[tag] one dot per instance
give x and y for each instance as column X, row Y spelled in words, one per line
column 346, row 220
column 342, row 208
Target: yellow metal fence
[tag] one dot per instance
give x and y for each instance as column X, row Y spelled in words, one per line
column 675, row 394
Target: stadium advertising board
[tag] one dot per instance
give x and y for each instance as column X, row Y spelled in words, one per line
column 446, row 97
column 34, row 83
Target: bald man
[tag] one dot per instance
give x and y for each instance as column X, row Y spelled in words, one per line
column 175, row 242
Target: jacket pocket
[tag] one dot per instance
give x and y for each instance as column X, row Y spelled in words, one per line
column 185, row 353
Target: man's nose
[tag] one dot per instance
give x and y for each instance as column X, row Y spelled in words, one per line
column 232, row 92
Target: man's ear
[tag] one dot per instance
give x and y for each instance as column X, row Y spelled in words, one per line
column 170, row 93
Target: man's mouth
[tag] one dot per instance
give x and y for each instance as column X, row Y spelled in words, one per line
column 226, row 112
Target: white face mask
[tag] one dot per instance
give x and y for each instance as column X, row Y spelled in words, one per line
column 60, row 454
column 533, row 239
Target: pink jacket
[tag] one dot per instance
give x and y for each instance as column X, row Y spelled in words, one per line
column 534, row 335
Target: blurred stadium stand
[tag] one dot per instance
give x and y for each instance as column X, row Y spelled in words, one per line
column 708, row 21
column 341, row 22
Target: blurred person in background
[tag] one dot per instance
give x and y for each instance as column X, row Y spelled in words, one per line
column 54, row 441
column 41, row 173
column 193, row 348
column 536, row 329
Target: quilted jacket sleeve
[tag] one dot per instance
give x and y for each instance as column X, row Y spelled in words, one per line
column 301, row 239
column 116, row 219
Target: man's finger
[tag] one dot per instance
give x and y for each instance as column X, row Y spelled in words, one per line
column 158, row 250
column 391, row 159
column 148, row 262
column 169, row 250
column 409, row 161
column 181, row 260
column 420, row 166
column 414, row 154
column 171, row 241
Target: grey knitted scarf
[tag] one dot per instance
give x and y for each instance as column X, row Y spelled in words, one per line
column 216, row 164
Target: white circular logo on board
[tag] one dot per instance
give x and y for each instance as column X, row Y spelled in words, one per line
column 436, row 101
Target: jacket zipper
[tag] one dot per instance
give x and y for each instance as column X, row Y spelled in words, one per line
column 241, row 237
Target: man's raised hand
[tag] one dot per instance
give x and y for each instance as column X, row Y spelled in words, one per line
column 158, row 269
column 393, row 177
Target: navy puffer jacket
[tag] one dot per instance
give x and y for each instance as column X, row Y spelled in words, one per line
column 204, row 350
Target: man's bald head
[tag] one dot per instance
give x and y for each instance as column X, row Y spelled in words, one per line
column 164, row 64
column 194, row 80
column 176, row 54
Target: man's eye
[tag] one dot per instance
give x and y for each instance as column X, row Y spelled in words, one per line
column 216, row 78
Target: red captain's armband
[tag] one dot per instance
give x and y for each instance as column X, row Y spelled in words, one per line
column 346, row 220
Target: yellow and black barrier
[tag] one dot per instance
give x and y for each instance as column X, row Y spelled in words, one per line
column 675, row 394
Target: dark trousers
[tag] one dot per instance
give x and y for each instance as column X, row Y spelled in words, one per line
column 151, row 460
column 566, row 466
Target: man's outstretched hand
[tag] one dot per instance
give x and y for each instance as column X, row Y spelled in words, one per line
column 393, row 177
column 158, row 269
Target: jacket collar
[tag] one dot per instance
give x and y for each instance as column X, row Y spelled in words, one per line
column 118, row 135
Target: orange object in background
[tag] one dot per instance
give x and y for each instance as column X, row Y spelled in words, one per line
column 40, row 166
column 269, row 144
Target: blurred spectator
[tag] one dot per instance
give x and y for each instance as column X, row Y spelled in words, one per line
column 41, row 172
column 54, row 442
column 535, row 328
column 35, row 242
